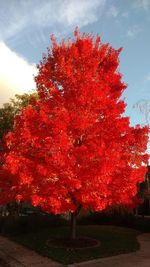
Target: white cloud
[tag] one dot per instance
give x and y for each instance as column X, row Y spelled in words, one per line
column 133, row 31
column 113, row 11
column 148, row 77
column 28, row 18
column 125, row 14
column 56, row 15
column 145, row 4
column 16, row 74
column 83, row 13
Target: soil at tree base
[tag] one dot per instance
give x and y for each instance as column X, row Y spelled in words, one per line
column 4, row 263
column 77, row 243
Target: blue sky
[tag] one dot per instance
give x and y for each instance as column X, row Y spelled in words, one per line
column 25, row 27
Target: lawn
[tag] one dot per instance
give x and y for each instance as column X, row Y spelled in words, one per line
column 114, row 240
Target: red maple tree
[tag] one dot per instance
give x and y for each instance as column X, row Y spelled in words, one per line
column 73, row 147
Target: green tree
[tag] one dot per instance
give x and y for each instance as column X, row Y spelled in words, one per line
column 9, row 110
column 7, row 114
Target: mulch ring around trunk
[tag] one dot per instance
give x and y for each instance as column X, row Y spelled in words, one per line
column 4, row 263
column 77, row 243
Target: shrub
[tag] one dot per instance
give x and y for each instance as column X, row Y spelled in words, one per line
column 24, row 224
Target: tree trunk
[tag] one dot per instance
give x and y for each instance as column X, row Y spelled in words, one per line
column 73, row 225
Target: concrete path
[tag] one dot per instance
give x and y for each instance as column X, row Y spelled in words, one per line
column 141, row 258
column 15, row 255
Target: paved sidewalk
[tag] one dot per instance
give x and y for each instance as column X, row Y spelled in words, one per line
column 141, row 258
column 15, row 255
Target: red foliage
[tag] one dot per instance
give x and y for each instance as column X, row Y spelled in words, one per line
column 73, row 146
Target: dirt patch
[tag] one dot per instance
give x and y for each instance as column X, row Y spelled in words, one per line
column 78, row 243
column 4, row 263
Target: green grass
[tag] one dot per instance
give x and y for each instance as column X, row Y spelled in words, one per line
column 114, row 241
